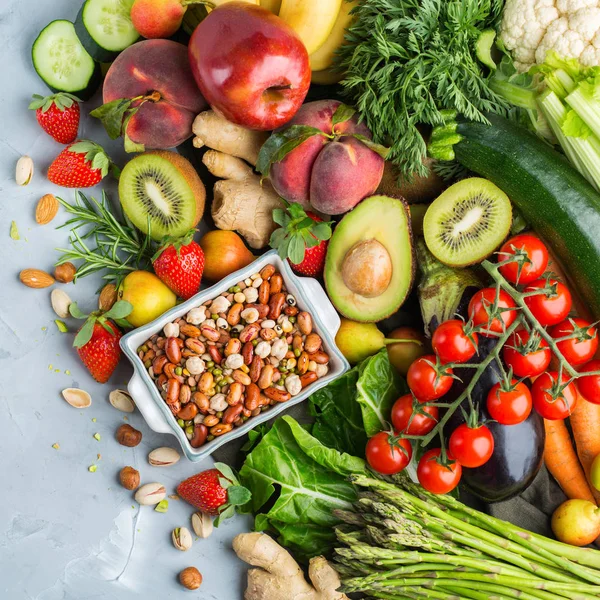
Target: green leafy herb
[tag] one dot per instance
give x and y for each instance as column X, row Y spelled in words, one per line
column 406, row 60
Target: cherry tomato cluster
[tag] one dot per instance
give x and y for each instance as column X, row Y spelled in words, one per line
column 525, row 354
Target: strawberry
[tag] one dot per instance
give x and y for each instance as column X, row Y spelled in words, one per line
column 302, row 239
column 58, row 115
column 97, row 341
column 179, row 264
column 215, row 492
column 80, row 165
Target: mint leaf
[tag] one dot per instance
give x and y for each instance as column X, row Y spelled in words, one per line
column 342, row 114
column 280, row 144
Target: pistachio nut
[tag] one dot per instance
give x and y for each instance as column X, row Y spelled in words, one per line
column 121, row 400
column 150, row 494
column 77, row 398
column 202, row 525
column 182, row 538
column 24, row 170
column 60, row 303
column 163, row 457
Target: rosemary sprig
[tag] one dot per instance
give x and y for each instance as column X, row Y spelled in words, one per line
column 102, row 241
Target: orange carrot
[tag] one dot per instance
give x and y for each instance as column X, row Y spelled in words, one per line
column 561, row 460
column 585, row 423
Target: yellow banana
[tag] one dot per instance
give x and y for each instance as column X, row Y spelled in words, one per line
column 219, row 2
column 312, row 20
column 323, row 57
column 326, row 77
column 272, row 5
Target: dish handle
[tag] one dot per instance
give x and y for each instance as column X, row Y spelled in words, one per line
column 321, row 302
column 150, row 411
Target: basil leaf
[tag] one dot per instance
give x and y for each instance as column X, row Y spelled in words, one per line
column 282, row 143
column 342, row 114
column 381, row 150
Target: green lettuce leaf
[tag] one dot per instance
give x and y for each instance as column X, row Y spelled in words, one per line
column 379, row 386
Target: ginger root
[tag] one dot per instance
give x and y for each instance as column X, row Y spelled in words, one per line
column 216, row 132
column 240, row 202
column 279, row 577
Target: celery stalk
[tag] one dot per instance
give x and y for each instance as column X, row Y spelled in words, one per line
column 586, row 106
column 584, row 153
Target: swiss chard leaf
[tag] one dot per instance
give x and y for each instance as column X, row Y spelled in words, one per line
column 379, row 386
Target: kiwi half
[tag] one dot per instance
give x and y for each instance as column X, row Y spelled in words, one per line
column 162, row 194
column 467, row 222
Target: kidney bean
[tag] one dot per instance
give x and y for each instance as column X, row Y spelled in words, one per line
column 215, row 354
column 173, row 387
column 201, row 401
column 276, row 394
column 175, row 407
column 276, row 283
column 233, row 347
column 188, row 412
column 275, row 305
column 290, row 311
column 189, row 331
column 256, row 368
column 169, row 371
column 200, row 435
column 233, row 316
column 249, row 333
column 234, row 394
column 312, row 343
column 305, row 324
column 210, row 334
column 297, row 343
column 252, row 399
column 319, row 357
column 221, row 429
column 267, row 271
column 172, row 350
column 241, row 377
column 211, row 420
column 264, row 292
column 206, row 381
column 302, row 363
column 266, row 377
column 248, row 353
column 232, row 413
column 268, row 334
column 185, row 394
column 308, row 378
column 158, row 364
column 195, row 345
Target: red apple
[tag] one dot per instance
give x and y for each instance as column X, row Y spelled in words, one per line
column 250, row 65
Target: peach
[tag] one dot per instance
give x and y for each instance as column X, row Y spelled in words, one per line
column 156, row 66
column 157, row 18
column 330, row 174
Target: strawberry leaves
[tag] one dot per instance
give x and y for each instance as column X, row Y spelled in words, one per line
column 94, row 154
column 298, row 232
column 118, row 313
column 237, row 495
column 62, row 101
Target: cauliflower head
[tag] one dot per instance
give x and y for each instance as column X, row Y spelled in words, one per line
column 530, row 28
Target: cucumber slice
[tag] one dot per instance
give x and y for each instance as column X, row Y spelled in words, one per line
column 62, row 62
column 105, row 28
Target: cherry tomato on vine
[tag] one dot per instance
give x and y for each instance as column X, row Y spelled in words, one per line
column 424, row 420
column 520, row 354
column 436, row 477
column 532, row 258
column 387, row 454
column 471, row 446
column 549, row 309
column 452, row 343
column 552, row 399
column 427, row 379
column 589, row 385
column 481, row 305
column 509, row 405
column 583, row 346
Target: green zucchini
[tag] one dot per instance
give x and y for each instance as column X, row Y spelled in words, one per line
column 553, row 197
column 105, row 28
column 63, row 63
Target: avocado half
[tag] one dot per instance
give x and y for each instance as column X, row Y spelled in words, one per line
column 370, row 263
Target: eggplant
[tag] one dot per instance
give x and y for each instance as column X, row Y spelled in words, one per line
column 445, row 293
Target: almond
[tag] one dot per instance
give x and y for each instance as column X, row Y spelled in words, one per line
column 108, row 296
column 46, row 209
column 35, row 278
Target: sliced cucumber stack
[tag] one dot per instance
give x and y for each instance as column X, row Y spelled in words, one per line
column 105, row 28
column 63, row 63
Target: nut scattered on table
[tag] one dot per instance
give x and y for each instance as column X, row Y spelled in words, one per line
column 46, row 209
column 163, row 457
column 202, row 525
column 190, row 578
column 182, row 539
column 128, row 436
column 130, row 478
column 150, row 494
column 77, row 398
column 108, row 296
column 121, row 400
column 65, row 273
column 24, row 170
column 234, row 357
column 36, row 278
column 60, row 301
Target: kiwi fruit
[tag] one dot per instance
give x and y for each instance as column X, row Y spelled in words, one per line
column 467, row 222
column 162, row 194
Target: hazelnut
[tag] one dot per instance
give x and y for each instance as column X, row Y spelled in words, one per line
column 128, row 436
column 130, row 478
column 65, row 273
column 190, row 578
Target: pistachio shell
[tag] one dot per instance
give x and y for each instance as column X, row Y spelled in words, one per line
column 24, row 170
column 202, row 524
column 163, row 457
column 121, row 400
column 60, row 301
column 77, row 398
column 150, row 494
column 182, row 538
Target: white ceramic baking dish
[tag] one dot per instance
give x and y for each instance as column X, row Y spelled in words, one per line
column 309, row 295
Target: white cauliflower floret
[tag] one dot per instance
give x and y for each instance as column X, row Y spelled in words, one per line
column 531, row 28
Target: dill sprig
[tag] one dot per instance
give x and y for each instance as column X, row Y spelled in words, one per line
column 102, row 241
column 406, row 60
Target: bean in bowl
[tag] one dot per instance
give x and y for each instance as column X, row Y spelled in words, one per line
column 235, row 356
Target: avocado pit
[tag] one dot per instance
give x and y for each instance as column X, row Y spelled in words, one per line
column 367, row 268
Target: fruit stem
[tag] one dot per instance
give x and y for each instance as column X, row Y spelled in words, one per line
column 389, row 341
column 153, row 97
